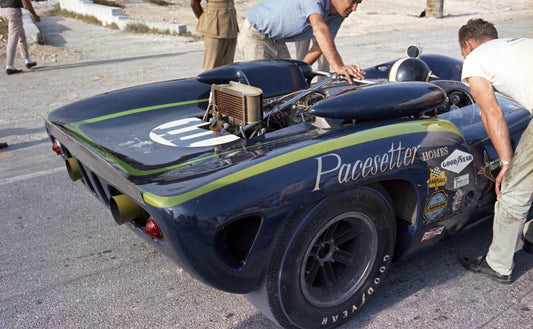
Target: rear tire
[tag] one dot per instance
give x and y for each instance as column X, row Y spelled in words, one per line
column 328, row 262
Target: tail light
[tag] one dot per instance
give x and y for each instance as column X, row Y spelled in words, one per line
column 152, row 229
column 56, row 147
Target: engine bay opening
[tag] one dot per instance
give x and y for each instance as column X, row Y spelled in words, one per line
column 240, row 110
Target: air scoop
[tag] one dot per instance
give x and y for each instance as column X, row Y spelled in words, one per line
column 382, row 101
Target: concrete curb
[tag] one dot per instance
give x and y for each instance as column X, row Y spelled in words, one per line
column 32, row 31
column 114, row 15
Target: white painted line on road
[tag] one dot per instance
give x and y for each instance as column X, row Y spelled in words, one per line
column 30, row 176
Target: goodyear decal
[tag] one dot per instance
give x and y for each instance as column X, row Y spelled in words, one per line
column 435, row 206
column 457, row 161
column 433, row 125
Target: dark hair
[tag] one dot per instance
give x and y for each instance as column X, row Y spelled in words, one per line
column 477, row 29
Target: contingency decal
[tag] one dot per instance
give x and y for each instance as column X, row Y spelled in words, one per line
column 457, row 161
column 457, row 200
column 461, row 181
column 437, row 178
column 431, row 233
column 370, row 166
column 489, row 166
column 435, row 154
column 435, row 206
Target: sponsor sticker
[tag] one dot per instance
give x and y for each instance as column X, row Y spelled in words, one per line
column 435, row 206
column 461, row 181
column 437, row 178
column 431, row 233
column 435, row 154
column 398, row 156
column 457, row 200
column 457, row 161
column 489, row 166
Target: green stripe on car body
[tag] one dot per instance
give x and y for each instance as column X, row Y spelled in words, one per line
column 74, row 128
column 399, row 129
column 139, row 110
column 511, row 126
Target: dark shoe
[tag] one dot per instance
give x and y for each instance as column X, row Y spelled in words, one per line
column 479, row 265
column 31, row 64
column 3, row 145
column 527, row 247
column 12, row 71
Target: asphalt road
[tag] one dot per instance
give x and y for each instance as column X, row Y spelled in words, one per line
column 64, row 263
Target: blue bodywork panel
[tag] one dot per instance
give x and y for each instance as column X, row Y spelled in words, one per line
column 220, row 205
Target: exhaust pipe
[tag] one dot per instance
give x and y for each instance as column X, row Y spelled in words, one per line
column 124, row 209
column 73, row 169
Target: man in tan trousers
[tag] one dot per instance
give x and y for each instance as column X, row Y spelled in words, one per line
column 11, row 11
column 270, row 24
column 219, row 28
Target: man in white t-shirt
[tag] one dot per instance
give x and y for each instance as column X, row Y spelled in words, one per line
column 504, row 65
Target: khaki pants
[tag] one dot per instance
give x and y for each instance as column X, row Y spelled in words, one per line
column 254, row 45
column 512, row 206
column 302, row 47
column 13, row 17
column 218, row 52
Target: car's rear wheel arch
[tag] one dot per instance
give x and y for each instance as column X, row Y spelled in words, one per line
column 303, row 242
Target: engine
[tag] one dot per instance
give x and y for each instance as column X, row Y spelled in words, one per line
column 240, row 109
column 235, row 105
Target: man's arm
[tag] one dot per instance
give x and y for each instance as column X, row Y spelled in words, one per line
column 494, row 122
column 27, row 4
column 324, row 45
column 197, row 8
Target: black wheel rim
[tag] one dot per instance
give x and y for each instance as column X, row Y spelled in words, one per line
column 339, row 259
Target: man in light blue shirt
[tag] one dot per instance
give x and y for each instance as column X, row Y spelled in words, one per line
column 271, row 23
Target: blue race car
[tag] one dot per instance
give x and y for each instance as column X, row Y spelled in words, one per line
column 298, row 194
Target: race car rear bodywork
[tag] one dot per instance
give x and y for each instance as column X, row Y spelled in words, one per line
column 258, row 182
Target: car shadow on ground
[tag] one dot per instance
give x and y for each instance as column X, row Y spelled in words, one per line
column 107, row 61
column 52, row 30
